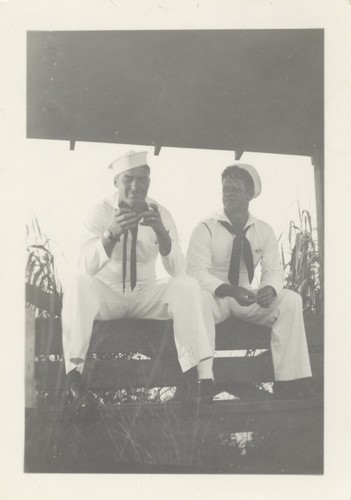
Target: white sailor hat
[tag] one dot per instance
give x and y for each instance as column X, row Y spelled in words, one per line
column 254, row 175
column 131, row 159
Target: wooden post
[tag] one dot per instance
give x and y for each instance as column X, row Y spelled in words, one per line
column 238, row 154
column 157, row 149
column 30, row 390
column 318, row 164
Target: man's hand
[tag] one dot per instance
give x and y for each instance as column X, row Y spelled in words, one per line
column 124, row 219
column 243, row 296
column 265, row 296
column 152, row 218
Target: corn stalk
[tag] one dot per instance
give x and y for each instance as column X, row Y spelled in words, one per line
column 43, row 287
column 303, row 265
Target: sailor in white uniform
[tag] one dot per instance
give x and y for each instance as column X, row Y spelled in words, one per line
column 123, row 236
column 223, row 253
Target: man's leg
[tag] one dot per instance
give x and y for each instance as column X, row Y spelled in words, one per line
column 86, row 299
column 289, row 348
column 181, row 299
column 191, row 332
column 288, row 339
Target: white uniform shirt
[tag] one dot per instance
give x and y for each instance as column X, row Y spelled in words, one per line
column 210, row 250
column 94, row 261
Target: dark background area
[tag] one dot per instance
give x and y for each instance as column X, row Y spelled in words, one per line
column 249, row 90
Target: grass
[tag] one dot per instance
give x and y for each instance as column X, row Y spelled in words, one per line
column 170, row 442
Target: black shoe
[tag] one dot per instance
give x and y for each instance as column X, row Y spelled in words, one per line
column 293, row 389
column 77, row 396
column 192, row 390
column 203, row 392
column 185, row 387
column 206, row 390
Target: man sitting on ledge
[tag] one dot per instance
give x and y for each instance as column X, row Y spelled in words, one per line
column 124, row 234
column 223, row 253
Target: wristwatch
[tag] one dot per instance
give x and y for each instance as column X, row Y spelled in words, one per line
column 107, row 235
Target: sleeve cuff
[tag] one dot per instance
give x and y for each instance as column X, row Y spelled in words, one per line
column 101, row 252
column 277, row 287
column 215, row 283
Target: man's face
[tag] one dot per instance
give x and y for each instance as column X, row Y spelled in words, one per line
column 235, row 195
column 133, row 186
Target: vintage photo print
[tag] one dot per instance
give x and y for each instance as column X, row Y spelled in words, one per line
column 173, row 183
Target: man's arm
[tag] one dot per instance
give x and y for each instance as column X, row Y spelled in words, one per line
column 272, row 277
column 200, row 261
column 152, row 218
column 124, row 220
column 161, row 221
column 243, row 296
column 272, row 270
column 96, row 250
column 92, row 256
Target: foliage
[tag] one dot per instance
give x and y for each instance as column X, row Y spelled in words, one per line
column 40, row 267
column 302, row 263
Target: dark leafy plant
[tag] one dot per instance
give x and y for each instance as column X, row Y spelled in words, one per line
column 302, row 262
column 43, row 287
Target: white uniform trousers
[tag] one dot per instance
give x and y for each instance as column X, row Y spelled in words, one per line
column 87, row 298
column 288, row 338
